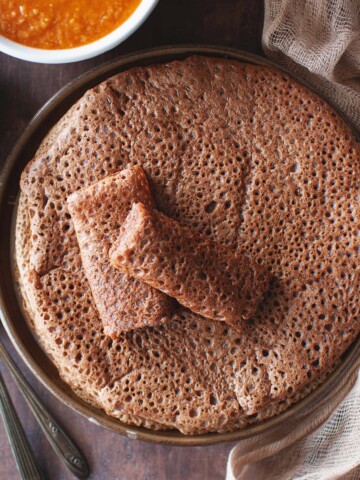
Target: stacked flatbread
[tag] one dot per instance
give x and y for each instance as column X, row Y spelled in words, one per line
column 202, row 275
column 98, row 212
column 237, row 152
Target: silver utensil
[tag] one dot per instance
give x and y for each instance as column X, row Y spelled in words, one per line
column 23, row 454
column 65, row 448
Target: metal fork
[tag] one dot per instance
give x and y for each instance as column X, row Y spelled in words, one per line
column 23, row 454
column 65, row 448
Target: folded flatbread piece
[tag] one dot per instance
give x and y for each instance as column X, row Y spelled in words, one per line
column 98, row 212
column 201, row 274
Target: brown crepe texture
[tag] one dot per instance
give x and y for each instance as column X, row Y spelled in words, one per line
column 83, row 388
column 202, row 275
column 84, row 385
column 240, row 153
column 97, row 213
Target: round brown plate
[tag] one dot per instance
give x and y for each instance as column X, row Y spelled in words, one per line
column 10, row 305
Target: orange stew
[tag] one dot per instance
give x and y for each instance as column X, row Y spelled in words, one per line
column 58, row 24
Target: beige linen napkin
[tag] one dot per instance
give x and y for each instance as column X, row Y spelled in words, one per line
column 292, row 452
column 319, row 41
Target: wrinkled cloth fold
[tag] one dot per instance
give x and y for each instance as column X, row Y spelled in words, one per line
column 294, row 451
column 318, row 41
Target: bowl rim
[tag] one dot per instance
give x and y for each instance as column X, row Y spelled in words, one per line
column 89, row 50
column 336, row 380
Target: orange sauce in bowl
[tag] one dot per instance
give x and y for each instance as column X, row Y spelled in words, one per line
column 60, row 24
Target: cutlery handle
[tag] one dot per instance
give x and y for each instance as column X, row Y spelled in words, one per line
column 58, row 439
column 23, row 454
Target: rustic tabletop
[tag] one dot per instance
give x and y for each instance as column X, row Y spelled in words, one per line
column 24, row 88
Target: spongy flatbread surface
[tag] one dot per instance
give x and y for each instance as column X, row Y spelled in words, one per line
column 240, row 153
column 204, row 276
column 97, row 212
column 82, row 387
column 86, row 389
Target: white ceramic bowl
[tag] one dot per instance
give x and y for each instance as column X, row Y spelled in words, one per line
column 68, row 55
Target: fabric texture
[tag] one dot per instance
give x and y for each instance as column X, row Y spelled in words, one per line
column 292, row 452
column 319, row 42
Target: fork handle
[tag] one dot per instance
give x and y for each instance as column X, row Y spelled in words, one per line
column 23, row 454
column 65, row 448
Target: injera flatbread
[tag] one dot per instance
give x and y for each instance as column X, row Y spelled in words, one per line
column 26, row 287
column 84, row 386
column 240, row 153
column 97, row 213
column 203, row 276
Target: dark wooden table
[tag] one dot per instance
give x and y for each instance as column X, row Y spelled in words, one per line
column 24, row 87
